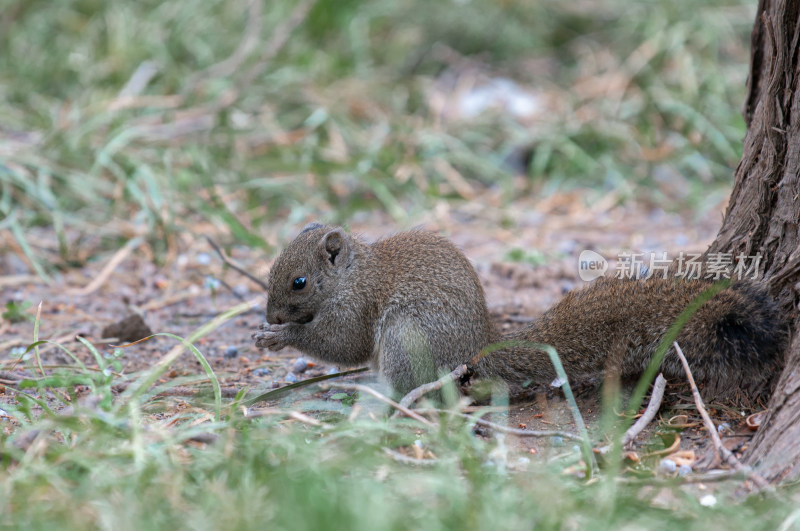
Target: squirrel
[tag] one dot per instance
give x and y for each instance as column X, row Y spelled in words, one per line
column 412, row 306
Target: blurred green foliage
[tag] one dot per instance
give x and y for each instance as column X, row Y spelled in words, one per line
column 144, row 461
column 158, row 112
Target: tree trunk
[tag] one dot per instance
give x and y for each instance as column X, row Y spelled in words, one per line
column 763, row 215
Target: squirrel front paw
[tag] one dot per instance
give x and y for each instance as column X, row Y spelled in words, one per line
column 271, row 336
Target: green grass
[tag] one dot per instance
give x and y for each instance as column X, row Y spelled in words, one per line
column 134, row 464
column 640, row 96
column 338, row 120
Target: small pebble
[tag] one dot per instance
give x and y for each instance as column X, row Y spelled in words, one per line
column 291, row 378
column 203, row 258
column 261, row 371
column 668, row 466
column 557, row 441
column 231, row 352
column 300, row 365
column 684, row 470
column 211, row 283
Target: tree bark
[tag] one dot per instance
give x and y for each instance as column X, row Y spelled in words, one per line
column 763, row 215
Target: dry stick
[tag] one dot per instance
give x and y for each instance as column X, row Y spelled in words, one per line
column 726, row 454
column 296, row 415
column 16, row 280
column 708, row 477
column 235, row 267
column 652, row 408
column 112, row 264
column 422, row 390
column 504, row 429
column 383, row 398
column 227, row 392
column 406, row 460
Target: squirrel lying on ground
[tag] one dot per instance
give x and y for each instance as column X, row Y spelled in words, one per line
column 412, row 306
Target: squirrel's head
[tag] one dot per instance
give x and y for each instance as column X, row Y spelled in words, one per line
column 307, row 273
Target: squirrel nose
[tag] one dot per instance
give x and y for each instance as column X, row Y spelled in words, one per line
column 272, row 315
column 275, row 316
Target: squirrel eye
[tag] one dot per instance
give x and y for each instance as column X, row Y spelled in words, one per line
column 299, row 283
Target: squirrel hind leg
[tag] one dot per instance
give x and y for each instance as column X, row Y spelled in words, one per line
column 405, row 358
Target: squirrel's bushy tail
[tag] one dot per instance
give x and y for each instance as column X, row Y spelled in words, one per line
column 734, row 342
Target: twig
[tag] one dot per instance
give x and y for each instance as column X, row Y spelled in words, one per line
column 727, row 455
column 233, row 291
column 504, row 429
column 422, row 390
column 383, row 398
column 112, row 264
column 652, row 408
column 296, row 415
column 708, row 477
column 406, row 460
column 183, row 391
column 235, row 267
column 16, row 280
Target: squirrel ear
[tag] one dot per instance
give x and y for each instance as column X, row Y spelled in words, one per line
column 334, row 246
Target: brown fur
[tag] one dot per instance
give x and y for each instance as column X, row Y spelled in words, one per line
column 412, row 305
column 733, row 342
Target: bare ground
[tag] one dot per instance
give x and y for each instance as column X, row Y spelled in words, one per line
column 179, row 296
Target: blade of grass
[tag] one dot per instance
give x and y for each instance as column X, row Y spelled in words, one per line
column 277, row 393
column 101, row 363
column 62, row 347
column 586, row 445
column 36, row 337
column 148, row 379
column 140, row 387
column 16, row 230
column 666, row 342
column 635, row 402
